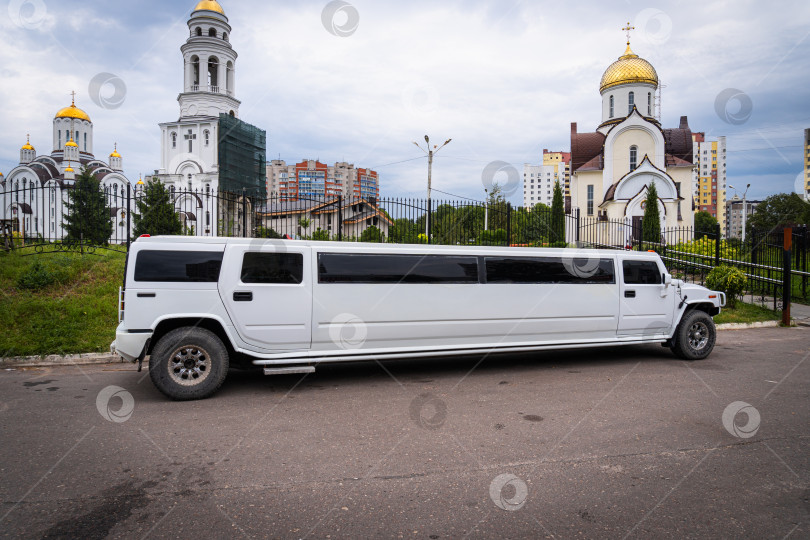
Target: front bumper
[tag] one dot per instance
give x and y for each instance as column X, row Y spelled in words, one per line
column 129, row 346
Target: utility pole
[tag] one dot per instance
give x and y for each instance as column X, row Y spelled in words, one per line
column 430, row 151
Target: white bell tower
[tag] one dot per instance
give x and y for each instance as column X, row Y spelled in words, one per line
column 209, row 81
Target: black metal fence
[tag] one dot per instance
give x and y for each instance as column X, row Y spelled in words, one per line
column 34, row 217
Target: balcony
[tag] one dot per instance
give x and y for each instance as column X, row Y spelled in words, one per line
column 211, row 89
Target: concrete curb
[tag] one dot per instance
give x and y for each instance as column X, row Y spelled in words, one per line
column 59, row 360
column 745, row 326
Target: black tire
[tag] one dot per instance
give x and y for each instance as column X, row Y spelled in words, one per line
column 695, row 336
column 189, row 363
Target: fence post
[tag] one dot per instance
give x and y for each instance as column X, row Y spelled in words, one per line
column 787, row 274
column 340, row 218
column 576, row 224
column 508, row 224
column 717, row 245
column 244, row 215
column 428, row 224
column 129, row 213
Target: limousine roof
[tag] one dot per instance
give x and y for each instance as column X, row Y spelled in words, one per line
column 394, row 248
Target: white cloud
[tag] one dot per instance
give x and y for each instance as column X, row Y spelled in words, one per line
column 502, row 80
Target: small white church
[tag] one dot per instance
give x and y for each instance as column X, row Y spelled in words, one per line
column 613, row 167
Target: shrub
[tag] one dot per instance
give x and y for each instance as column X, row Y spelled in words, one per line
column 320, row 234
column 35, row 278
column 706, row 246
column 372, row 234
column 727, row 279
column 497, row 237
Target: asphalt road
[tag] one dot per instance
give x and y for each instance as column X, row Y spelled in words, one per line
column 607, row 443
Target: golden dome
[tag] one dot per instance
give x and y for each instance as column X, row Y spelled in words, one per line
column 629, row 68
column 210, row 5
column 115, row 152
column 140, row 181
column 72, row 112
column 71, row 143
column 27, row 145
column 69, row 169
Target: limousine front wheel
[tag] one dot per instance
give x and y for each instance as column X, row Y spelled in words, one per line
column 695, row 336
column 188, row 363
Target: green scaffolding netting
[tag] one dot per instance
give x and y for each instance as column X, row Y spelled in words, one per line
column 242, row 157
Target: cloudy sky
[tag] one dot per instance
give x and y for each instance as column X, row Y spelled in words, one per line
column 503, row 79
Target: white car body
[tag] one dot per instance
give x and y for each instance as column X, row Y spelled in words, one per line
column 306, row 323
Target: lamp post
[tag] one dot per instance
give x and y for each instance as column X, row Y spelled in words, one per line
column 745, row 209
column 429, row 151
column 486, row 208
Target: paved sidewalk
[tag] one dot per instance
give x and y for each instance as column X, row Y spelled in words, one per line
column 800, row 313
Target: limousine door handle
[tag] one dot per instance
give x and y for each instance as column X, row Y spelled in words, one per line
column 629, row 294
column 242, row 296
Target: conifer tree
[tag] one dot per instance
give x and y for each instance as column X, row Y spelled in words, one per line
column 557, row 215
column 156, row 213
column 87, row 216
column 651, row 222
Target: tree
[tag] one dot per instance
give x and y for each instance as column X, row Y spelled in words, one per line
column 704, row 223
column 651, row 222
column 780, row 209
column 372, row 234
column 87, row 216
column 304, row 224
column 156, row 213
column 557, row 216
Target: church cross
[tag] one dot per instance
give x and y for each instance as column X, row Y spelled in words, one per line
column 73, row 98
column 627, row 29
column 190, row 138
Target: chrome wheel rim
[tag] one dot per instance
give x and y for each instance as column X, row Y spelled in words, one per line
column 189, row 365
column 698, row 336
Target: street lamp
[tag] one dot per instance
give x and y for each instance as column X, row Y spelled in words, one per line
column 486, row 208
column 430, row 151
column 745, row 208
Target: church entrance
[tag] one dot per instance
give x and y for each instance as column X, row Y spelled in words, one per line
column 636, row 234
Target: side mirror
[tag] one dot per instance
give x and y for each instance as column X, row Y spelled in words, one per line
column 666, row 278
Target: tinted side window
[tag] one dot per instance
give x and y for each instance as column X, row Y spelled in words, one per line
column 178, row 266
column 366, row 268
column 549, row 270
column 641, row 273
column 272, row 268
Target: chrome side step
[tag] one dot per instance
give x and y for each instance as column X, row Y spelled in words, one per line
column 289, row 370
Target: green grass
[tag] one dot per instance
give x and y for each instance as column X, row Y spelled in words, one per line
column 71, row 308
column 746, row 313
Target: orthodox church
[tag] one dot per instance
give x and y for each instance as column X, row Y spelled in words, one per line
column 612, row 167
column 33, row 195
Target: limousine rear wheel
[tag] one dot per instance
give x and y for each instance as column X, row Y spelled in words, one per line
column 188, row 363
column 695, row 336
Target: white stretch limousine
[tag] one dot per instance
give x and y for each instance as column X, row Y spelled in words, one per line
column 196, row 304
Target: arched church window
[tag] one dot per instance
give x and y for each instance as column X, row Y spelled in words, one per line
column 171, row 190
column 59, row 134
column 195, row 70
column 85, row 141
column 174, row 140
column 649, row 103
column 207, row 189
column 212, row 32
column 213, row 72
column 207, row 218
column 633, row 157
column 232, row 113
column 199, row 31
column 225, row 36
column 611, row 106
column 631, row 100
